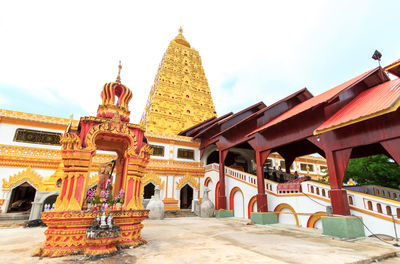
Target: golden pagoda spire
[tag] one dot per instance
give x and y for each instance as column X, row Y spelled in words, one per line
column 119, row 73
column 181, row 98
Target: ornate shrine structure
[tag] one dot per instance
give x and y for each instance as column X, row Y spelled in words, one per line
column 180, row 96
column 110, row 130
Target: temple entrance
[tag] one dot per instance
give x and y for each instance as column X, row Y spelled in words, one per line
column 186, row 197
column 21, row 198
column 148, row 190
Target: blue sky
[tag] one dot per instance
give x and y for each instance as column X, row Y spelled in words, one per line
column 55, row 57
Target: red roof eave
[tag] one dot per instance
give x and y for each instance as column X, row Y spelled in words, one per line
column 378, row 100
column 315, row 101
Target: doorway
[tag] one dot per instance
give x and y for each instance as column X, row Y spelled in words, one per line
column 148, row 190
column 21, row 198
column 186, row 197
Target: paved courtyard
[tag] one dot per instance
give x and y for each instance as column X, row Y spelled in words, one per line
column 197, row 240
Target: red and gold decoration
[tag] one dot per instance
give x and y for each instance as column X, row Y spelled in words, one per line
column 110, row 131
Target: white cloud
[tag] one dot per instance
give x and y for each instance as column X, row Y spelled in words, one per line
column 73, row 48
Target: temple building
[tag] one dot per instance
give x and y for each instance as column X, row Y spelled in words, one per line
column 30, row 157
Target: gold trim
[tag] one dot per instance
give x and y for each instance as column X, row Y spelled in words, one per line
column 151, row 177
column 27, row 175
column 187, row 179
column 385, row 111
column 387, row 68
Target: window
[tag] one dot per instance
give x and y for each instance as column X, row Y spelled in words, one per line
column 388, row 210
column 370, row 206
column 323, row 169
column 37, row 137
column 379, row 207
column 185, row 153
column 323, row 192
column 303, row 167
column 158, row 150
column 350, row 200
column 312, row 189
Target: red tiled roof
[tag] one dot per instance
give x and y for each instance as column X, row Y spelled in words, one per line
column 378, row 100
column 314, row 101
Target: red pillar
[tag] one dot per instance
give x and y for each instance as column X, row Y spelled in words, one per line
column 288, row 162
column 392, row 146
column 262, row 205
column 221, row 194
column 337, row 164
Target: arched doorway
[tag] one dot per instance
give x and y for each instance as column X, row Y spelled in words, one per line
column 286, row 214
column 252, row 206
column 148, row 191
column 186, row 196
column 50, row 200
column 21, row 198
column 209, row 184
column 236, row 202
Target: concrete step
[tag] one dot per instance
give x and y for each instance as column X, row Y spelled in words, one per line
column 179, row 213
column 14, row 216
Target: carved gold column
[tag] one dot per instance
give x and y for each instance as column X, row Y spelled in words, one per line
column 77, row 162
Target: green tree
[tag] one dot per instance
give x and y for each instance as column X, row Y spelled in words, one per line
column 374, row 170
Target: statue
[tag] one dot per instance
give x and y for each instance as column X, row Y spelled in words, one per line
column 109, row 221
column 206, row 207
column 156, row 206
column 105, row 176
column 103, row 221
column 97, row 220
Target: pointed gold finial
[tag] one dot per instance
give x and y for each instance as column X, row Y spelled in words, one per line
column 71, row 119
column 119, row 72
column 180, row 30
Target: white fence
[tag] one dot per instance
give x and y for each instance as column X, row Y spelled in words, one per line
column 303, row 209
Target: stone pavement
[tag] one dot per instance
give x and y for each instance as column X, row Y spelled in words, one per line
column 202, row 240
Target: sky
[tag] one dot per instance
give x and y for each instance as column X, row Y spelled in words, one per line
column 55, row 56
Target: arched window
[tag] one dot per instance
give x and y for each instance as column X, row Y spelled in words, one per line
column 388, row 210
column 379, row 207
column 317, row 189
column 370, row 206
column 312, row 189
column 398, row 212
column 323, row 192
column 350, row 200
